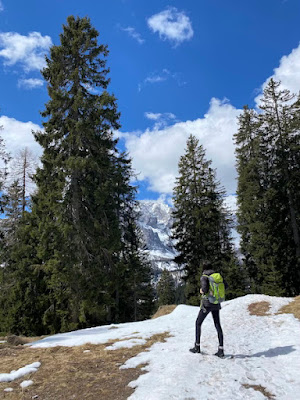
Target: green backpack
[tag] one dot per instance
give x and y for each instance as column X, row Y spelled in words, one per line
column 216, row 292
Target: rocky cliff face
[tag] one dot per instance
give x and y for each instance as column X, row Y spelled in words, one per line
column 156, row 222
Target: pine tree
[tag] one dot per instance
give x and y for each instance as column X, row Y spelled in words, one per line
column 279, row 135
column 74, row 205
column 166, row 289
column 201, row 222
column 268, row 192
column 250, row 197
column 77, row 242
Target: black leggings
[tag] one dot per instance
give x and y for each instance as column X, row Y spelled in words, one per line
column 201, row 317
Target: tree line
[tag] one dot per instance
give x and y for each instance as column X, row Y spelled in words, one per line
column 268, row 199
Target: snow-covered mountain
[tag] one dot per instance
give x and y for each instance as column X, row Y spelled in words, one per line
column 155, row 222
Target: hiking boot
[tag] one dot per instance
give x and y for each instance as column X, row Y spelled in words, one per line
column 195, row 349
column 220, row 352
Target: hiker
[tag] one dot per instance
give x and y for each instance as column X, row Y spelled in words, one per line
column 206, row 307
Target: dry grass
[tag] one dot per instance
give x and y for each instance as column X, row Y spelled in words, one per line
column 260, row 389
column 292, row 308
column 71, row 373
column 16, row 340
column 260, row 308
column 164, row 310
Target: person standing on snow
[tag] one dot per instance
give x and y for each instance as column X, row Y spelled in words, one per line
column 205, row 308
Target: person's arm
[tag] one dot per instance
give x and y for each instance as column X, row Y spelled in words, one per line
column 204, row 285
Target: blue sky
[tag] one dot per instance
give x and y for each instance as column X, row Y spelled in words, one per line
column 177, row 67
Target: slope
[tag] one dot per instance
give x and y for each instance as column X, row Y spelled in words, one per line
column 265, row 350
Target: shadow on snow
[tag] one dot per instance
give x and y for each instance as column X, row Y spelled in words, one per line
column 277, row 351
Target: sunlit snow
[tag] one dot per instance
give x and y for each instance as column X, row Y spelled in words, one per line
column 265, row 351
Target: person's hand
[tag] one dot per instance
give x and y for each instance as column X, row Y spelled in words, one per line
column 201, row 291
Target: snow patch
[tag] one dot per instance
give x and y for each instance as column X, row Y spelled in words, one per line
column 25, row 384
column 13, row 375
column 126, row 344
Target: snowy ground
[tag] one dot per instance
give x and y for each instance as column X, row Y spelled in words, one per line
column 266, row 352
column 13, row 375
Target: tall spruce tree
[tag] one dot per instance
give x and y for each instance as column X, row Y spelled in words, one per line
column 250, row 197
column 201, row 222
column 75, row 252
column 268, row 191
column 78, row 225
column 280, row 139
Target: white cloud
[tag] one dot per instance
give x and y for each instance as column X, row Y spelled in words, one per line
column 31, row 83
column 134, row 34
column 18, row 135
column 158, row 116
column 170, row 115
column 155, row 78
column 288, row 73
column 164, row 75
column 153, row 116
column 155, row 153
column 29, row 51
column 171, row 25
column 160, row 119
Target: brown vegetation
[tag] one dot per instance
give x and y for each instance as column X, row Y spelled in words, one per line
column 260, row 308
column 164, row 310
column 87, row 372
column 260, row 389
column 292, row 308
column 17, row 340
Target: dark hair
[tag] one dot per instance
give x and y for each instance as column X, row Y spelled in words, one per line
column 206, row 264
